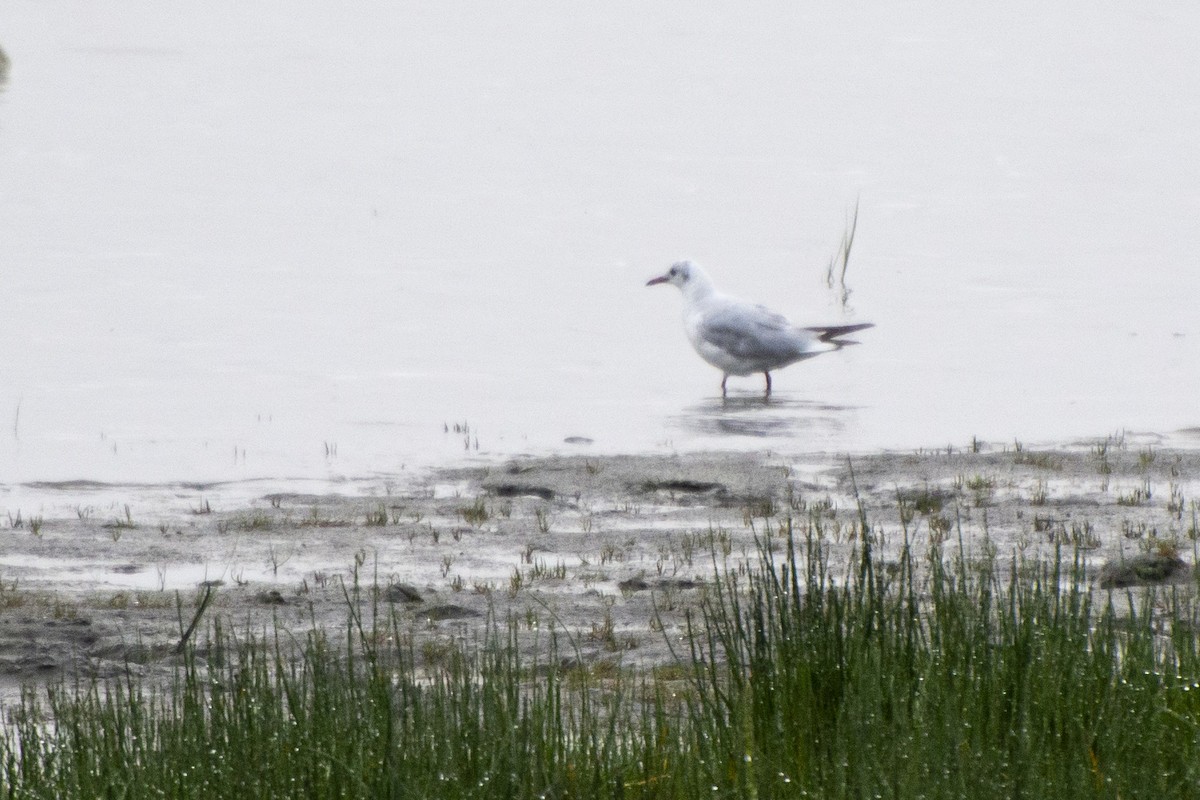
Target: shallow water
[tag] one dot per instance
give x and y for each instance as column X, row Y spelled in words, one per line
column 279, row 241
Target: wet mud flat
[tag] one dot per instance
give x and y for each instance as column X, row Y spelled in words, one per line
column 611, row 553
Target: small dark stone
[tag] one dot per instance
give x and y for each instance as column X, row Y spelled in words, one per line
column 682, row 485
column 519, row 490
column 401, row 593
column 638, row 584
column 449, row 611
column 1145, row 569
column 678, row 583
column 271, row 598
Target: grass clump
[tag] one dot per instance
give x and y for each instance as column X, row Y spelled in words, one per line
column 1136, row 497
column 377, row 518
column 960, row 682
column 314, row 719
column 475, row 514
column 925, row 675
column 256, row 520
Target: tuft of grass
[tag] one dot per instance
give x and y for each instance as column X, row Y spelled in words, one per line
column 10, row 595
column 516, row 582
column 463, row 429
column 925, row 502
column 475, row 514
column 121, row 523
column 314, row 519
column 980, row 483
column 256, row 520
column 1136, row 497
column 378, row 518
column 1175, row 502
column 840, row 261
column 1146, row 457
column 982, row 487
column 759, row 508
column 1100, row 453
column 541, row 571
column 940, row 527
column 1038, row 460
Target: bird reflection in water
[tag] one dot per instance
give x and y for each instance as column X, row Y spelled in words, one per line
column 759, row 417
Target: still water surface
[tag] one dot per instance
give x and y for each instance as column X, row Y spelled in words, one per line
column 295, row 241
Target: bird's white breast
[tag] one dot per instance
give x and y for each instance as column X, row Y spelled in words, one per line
column 694, row 315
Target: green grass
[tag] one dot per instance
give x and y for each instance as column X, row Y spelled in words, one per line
column 257, row 520
column 918, row 676
column 475, row 514
column 377, row 518
column 980, row 688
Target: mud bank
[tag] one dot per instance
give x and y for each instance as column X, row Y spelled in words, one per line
column 611, row 550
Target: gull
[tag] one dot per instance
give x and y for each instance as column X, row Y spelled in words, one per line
column 742, row 338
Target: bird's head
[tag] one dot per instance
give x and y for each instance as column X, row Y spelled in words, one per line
column 680, row 274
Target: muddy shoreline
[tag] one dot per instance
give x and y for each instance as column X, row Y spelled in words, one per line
column 612, row 549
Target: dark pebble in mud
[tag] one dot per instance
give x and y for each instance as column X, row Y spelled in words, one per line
column 683, row 485
column 640, row 584
column 1142, row 570
column 450, row 611
column 401, row 593
column 517, row 490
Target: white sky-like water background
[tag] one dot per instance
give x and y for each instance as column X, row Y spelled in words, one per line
column 295, row 241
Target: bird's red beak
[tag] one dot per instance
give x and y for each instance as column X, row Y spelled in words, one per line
column 659, row 279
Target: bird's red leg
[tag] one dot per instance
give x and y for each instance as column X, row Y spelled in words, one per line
column 768, row 377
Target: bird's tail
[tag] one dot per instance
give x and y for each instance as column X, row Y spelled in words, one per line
column 832, row 333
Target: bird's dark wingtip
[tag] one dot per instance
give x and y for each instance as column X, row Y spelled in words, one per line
column 832, row 333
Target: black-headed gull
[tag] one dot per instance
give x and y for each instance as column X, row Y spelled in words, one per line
column 741, row 338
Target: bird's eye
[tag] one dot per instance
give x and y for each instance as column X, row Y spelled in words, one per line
column 674, row 271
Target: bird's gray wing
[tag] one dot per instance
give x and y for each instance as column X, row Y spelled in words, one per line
column 754, row 333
